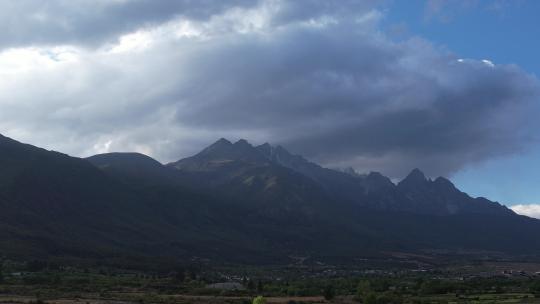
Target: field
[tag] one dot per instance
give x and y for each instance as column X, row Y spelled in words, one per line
column 41, row 283
column 180, row 299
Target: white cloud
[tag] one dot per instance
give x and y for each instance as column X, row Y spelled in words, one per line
column 530, row 210
column 488, row 62
column 137, row 41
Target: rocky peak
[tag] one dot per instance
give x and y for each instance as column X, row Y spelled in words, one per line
column 375, row 181
column 442, row 182
column 265, row 148
column 415, row 179
column 243, row 143
column 218, row 146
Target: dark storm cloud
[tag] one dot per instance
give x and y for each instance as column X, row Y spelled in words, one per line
column 334, row 95
column 92, row 22
column 319, row 77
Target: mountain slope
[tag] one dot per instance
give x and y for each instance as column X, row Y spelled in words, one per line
column 58, row 206
column 415, row 194
column 240, row 172
column 416, row 213
column 440, row 196
column 57, row 201
column 134, row 168
column 234, row 203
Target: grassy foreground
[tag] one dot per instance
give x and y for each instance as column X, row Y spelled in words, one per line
column 35, row 283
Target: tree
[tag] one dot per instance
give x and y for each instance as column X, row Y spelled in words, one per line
column 380, row 285
column 535, row 288
column 369, row 298
column 180, row 275
column 329, row 292
column 259, row 300
column 260, row 286
column 389, row 298
column 363, row 288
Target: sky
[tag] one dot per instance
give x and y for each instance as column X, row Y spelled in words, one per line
column 500, row 31
column 450, row 87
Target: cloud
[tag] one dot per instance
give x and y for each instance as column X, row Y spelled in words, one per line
column 530, row 210
column 92, row 22
column 321, row 78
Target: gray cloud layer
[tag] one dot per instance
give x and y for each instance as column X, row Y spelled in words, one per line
column 91, row 22
column 318, row 77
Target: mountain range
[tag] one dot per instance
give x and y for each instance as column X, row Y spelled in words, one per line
column 236, row 203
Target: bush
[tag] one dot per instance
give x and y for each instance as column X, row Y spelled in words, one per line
column 329, row 292
column 370, row 298
column 389, row 298
column 534, row 288
column 259, row 300
column 363, row 289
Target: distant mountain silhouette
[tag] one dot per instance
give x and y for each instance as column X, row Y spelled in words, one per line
column 234, row 202
column 442, row 197
column 133, row 168
column 240, row 172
